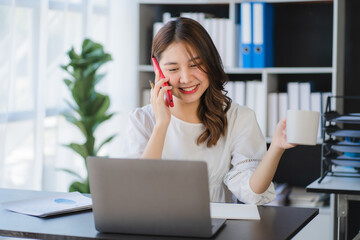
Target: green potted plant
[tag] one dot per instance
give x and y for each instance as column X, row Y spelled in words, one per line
column 90, row 107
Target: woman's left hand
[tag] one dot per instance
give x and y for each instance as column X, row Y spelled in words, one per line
column 279, row 138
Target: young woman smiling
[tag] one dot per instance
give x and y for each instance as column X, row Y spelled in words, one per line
column 203, row 124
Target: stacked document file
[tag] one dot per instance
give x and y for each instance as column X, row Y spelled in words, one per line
column 255, row 35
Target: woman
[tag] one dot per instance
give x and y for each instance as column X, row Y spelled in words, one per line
column 204, row 124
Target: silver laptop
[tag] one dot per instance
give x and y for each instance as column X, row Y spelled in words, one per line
column 155, row 197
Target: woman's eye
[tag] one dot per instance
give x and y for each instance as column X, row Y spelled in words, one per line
column 197, row 65
column 172, row 69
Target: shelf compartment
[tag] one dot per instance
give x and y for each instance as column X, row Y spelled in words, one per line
column 350, row 149
column 342, row 133
column 347, row 163
column 342, row 157
column 291, row 20
column 335, row 117
column 341, row 143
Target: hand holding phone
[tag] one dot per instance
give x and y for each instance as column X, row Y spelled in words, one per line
column 168, row 94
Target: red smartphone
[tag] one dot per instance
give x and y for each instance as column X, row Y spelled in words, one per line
column 168, row 94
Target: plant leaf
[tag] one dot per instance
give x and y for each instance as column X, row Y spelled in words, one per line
column 72, row 54
column 105, row 142
column 98, row 105
column 77, row 123
column 87, row 46
column 103, row 105
column 101, row 119
column 68, row 83
column 79, row 94
column 72, row 107
column 99, row 77
column 78, row 148
column 79, row 187
column 92, row 68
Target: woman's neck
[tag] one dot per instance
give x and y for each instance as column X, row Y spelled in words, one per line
column 186, row 111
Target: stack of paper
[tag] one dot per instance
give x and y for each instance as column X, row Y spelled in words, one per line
column 57, row 203
column 299, row 197
column 234, row 211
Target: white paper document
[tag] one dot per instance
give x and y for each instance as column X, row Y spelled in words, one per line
column 57, row 203
column 234, row 211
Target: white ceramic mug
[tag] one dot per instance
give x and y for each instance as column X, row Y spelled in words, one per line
column 302, row 127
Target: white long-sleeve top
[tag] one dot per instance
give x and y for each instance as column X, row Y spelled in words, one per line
column 230, row 162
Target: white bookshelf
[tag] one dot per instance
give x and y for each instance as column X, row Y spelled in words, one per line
column 329, row 71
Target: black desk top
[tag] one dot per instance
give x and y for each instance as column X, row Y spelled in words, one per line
column 336, row 184
column 275, row 223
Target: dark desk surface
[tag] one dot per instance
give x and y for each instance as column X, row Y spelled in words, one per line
column 275, row 223
column 336, row 184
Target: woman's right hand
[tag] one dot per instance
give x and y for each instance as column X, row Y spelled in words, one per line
column 280, row 138
column 155, row 145
column 160, row 106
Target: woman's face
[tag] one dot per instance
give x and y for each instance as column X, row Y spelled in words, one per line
column 188, row 81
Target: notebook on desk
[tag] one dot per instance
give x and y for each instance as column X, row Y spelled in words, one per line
column 156, row 197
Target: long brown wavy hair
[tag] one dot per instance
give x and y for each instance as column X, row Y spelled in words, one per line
column 214, row 103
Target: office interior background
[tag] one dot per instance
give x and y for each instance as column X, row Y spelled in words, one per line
column 34, row 38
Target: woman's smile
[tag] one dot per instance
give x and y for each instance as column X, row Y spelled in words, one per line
column 189, row 90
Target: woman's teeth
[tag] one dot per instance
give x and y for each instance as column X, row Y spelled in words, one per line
column 189, row 89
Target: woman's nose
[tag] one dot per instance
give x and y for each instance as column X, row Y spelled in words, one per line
column 185, row 76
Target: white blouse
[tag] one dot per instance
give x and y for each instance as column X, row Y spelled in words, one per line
column 230, row 162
